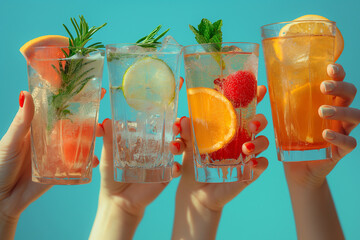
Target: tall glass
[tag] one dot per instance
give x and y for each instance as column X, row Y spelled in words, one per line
column 144, row 86
column 66, row 94
column 221, row 81
column 296, row 56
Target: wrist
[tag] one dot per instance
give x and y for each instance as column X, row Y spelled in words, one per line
column 113, row 221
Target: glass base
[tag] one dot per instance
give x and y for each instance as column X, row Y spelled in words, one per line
column 60, row 181
column 212, row 173
column 305, row 155
column 143, row 175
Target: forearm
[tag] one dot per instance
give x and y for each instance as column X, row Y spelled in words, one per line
column 314, row 211
column 193, row 220
column 7, row 227
column 113, row 223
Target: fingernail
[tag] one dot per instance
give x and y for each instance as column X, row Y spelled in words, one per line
column 334, row 68
column 177, row 145
column 106, row 119
column 253, row 163
column 249, row 146
column 96, row 162
column 177, row 167
column 103, row 92
column 101, row 126
column 255, row 125
column 327, row 111
column 328, row 86
column 181, row 119
column 178, row 125
column 329, row 135
column 21, row 99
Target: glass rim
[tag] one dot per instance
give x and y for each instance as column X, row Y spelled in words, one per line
column 297, row 21
column 95, row 50
column 204, row 44
column 118, row 46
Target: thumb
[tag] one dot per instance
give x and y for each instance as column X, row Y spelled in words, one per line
column 20, row 126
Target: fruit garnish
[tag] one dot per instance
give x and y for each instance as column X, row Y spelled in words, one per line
column 320, row 28
column 150, row 41
column 208, row 32
column 44, row 68
column 69, row 75
column 76, row 140
column 213, row 117
column 149, row 85
column 233, row 149
column 304, row 130
column 239, row 88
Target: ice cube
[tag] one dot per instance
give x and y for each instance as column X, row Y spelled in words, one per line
column 169, row 44
column 231, row 49
column 251, row 64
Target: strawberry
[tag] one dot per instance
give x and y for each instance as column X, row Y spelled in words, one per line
column 240, row 88
column 233, row 149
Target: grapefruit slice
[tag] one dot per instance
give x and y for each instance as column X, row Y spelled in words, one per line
column 41, row 60
column 76, row 141
column 213, row 118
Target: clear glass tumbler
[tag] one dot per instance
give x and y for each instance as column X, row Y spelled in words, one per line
column 221, row 82
column 144, row 86
column 296, row 56
column 66, row 94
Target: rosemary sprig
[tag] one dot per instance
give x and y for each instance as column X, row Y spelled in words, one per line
column 150, row 41
column 71, row 71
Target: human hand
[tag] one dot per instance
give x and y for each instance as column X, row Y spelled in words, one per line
column 199, row 205
column 17, row 190
column 313, row 173
column 121, row 205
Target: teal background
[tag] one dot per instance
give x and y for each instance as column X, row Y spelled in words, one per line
column 263, row 210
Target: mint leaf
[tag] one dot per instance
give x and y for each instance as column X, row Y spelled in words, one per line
column 208, row 32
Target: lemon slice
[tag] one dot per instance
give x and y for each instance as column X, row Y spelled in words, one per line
column 149, row 85
column 320, row 28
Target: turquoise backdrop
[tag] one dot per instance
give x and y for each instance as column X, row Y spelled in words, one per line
column 263, row 210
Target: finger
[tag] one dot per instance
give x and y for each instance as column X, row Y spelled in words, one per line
column 336, row 72
column 181, row 83
column 106, row 163
column 344, row 143
column 103, row 92
column 344, row 90
column 346, row 114
column 261, row 91
column 20, row 126
column 185, row 133
column 177, row 147
column 177, row 170
column 176, row 127
column 95, row 162
column 99, row 131
column 258, row 165
column 256, row 146
column 258, row 123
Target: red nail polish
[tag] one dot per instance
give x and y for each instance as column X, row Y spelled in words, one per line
column 95, row 162
column 177, row 145
column 177, row 167
column 250, row 146
column 21, row 99
column 257, row 125
column 178, row 125
column 105, row 121
column 101, row 126
column 103, row 91
column 254, row 163
column 181, row 119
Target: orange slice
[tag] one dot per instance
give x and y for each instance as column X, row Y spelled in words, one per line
column 35, row 58
column 213, row 118
column 321, row 28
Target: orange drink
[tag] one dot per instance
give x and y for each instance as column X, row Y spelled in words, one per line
column 296, row 56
